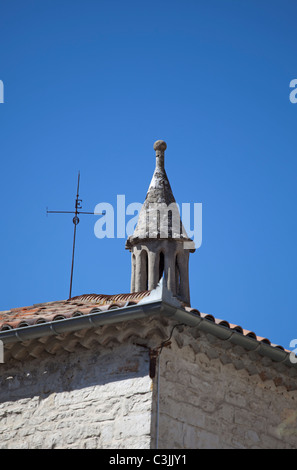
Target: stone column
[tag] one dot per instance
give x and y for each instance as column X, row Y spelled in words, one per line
column 137, row 271
column 153, row 269
column 170, row 271
column 133, row 266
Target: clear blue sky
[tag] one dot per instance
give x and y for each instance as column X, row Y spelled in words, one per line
column 90, row 85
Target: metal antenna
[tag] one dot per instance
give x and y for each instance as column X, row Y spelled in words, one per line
column 75, row 220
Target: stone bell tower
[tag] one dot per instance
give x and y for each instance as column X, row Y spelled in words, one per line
column 159, row 245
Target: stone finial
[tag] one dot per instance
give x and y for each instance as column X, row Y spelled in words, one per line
column 160, row 145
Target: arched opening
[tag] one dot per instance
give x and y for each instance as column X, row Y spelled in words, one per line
column 161, row 265
column 177, row 276
column 144, row 270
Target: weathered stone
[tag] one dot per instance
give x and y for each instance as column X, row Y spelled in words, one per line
column 157, row 244
column 99, row 399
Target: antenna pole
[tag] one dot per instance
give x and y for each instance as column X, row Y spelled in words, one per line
column 75, row 220
column 72, row 264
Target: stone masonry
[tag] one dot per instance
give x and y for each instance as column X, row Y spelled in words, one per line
column 100, row 389
column 86, row 399
column 211, row 400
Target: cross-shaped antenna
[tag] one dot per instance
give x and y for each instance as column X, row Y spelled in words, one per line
column 75, row 220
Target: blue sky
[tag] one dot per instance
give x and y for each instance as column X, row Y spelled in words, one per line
column 90, row 85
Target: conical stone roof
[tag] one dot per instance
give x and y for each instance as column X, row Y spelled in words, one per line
column 159, row 216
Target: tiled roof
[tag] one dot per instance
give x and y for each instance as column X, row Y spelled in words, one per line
column 238, row 328
column 58, row 310
column 87, row 303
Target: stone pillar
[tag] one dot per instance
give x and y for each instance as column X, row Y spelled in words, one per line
column 133, row 267
column 170, row 271
column 137, row 271
column 153, row 268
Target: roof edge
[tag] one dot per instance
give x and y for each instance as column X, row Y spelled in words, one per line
column 148, row 308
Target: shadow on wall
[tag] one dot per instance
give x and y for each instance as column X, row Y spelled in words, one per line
column 66, row 372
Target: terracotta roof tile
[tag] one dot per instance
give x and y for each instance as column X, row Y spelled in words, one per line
column 85, row 304
column 57, row 310
column 237, row 328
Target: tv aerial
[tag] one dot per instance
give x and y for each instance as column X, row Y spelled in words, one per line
column 75, row 221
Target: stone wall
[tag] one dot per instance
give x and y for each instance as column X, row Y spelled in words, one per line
column 214, row 395
column 93, row 390
column 90, row 398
